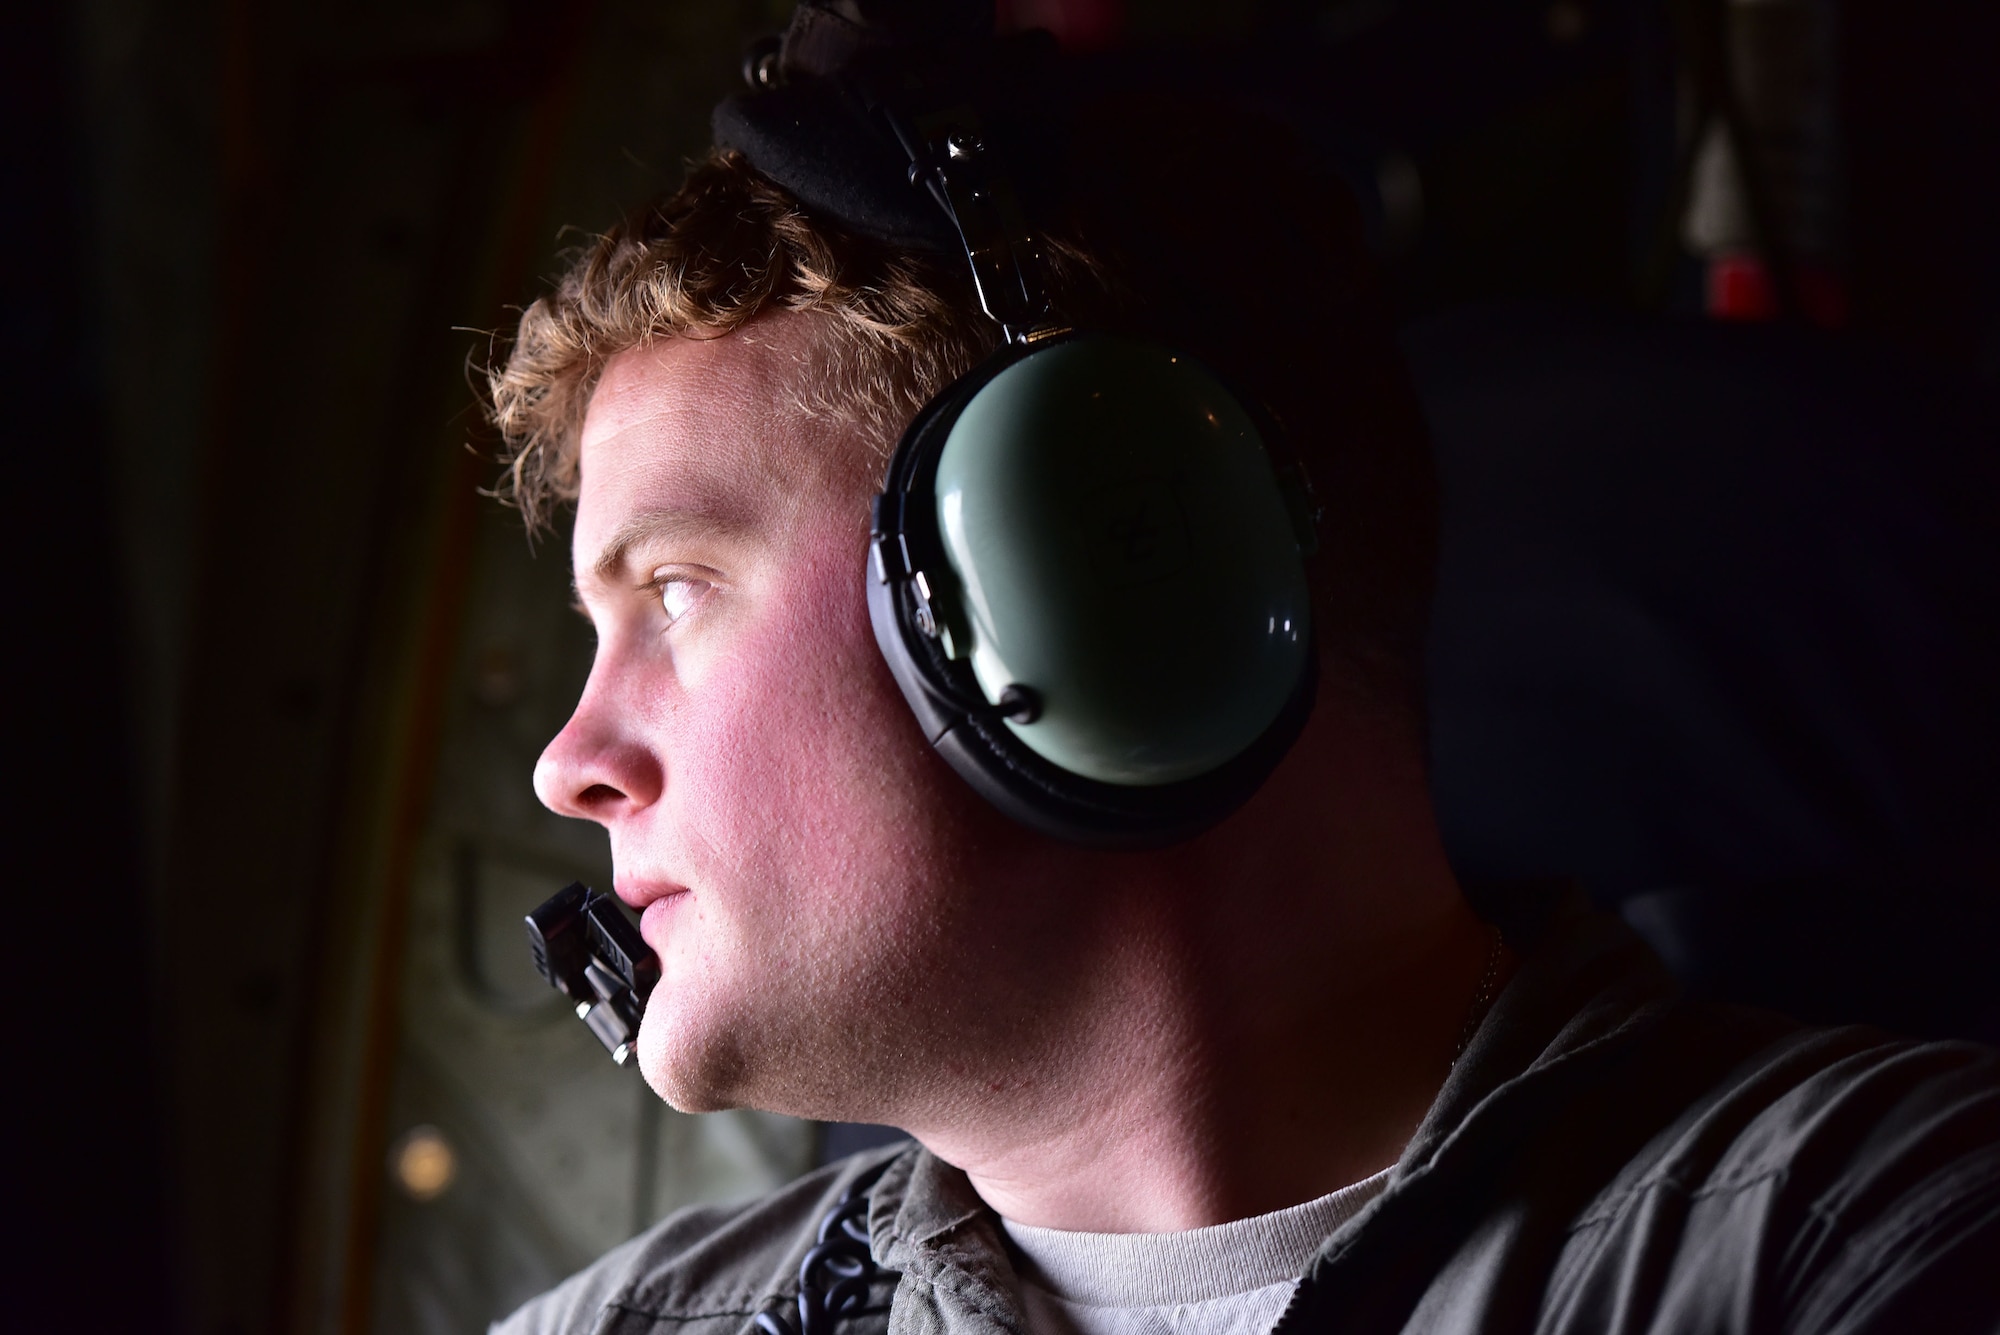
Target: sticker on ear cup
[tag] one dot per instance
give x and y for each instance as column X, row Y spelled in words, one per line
column 1137, row 533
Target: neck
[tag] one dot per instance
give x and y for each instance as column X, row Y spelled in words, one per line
column 1269, row 1019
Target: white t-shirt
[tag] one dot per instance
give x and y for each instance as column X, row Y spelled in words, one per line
column 1228, row 1279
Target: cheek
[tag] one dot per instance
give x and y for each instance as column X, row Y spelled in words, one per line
column 799, row 764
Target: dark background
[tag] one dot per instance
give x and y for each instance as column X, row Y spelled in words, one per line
column 246, row 242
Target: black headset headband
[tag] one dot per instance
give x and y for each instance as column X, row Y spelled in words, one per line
column 820, row 119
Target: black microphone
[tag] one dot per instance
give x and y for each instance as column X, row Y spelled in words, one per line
column 587, row 948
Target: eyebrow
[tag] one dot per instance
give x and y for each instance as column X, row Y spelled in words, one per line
column 654, row 525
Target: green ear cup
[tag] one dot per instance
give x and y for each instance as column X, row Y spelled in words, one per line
column 1119, row 546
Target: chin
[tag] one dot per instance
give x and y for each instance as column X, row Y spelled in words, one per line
column 692, row 1072
column 682, row 1096
column 698, row 1064
column 700, row 1061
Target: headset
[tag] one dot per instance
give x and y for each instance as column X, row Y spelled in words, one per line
column 1086, row 565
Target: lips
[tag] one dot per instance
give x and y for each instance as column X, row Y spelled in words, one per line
column 638, row 893
column 659, row 905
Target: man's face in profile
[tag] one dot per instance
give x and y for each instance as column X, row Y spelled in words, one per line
column 800, row 858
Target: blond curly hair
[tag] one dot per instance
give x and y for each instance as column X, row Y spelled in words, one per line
column 726, row 247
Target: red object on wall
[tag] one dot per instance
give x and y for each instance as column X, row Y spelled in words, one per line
column 1739, row 288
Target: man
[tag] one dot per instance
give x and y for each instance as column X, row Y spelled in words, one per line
column 1278, row 1072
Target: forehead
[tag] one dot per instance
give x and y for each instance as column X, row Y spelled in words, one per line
column 708, row 426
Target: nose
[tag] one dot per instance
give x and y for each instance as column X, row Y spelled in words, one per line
column 599, row 767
